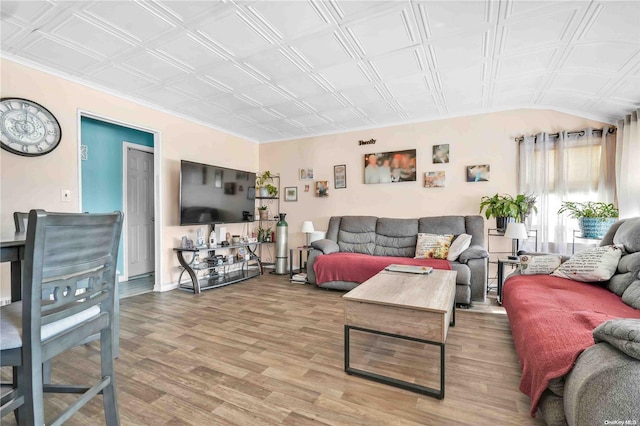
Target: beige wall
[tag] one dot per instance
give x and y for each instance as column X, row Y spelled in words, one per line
column 36, row 182
column 478, row 139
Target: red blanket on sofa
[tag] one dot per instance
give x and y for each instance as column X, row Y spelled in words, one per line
column 552, row 320
column 358, row 268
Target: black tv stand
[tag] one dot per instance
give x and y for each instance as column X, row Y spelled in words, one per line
column 217, row 275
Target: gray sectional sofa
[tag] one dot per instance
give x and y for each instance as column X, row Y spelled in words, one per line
column 397, row 237
column 602, row 385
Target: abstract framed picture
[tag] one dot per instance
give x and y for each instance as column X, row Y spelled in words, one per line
column 291, row 193
column 340, row 176
column 390, row 167
column 478, row 173
column 441, row 153
column 305, row 174
column 322, row 188
column 434, row 179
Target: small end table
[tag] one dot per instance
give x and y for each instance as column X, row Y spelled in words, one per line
column 300, row 265
column 501, row 264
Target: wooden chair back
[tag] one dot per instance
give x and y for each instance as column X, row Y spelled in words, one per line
column 72, row 257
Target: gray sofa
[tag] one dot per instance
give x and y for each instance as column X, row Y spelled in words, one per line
column 603, row 386
column 398, row 237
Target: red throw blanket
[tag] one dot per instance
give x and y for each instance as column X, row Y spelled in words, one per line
column 358, row 268
column 552, row 319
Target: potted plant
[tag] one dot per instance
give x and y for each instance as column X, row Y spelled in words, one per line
column 263, row 212
column 264, row 186
column 594, row 217
column 505, row 208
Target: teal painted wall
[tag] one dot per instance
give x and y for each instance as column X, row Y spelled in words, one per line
column 102, row 170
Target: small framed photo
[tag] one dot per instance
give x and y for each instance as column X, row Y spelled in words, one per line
column 340, row 176
column 434, row 179
column 306, row 174
column 291, row 193
column 306, row 188
column 441, row 153
column 322, row 188
column 478, row 173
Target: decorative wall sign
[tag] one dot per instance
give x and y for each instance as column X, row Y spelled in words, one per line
column 322, row 188
column 390, row 167
column 434, row 179
column 84, row 152
column 306, row 174
column 441, row 153
column 291, row 193
column 479, row 173
column 340, row 176
column 369, row 142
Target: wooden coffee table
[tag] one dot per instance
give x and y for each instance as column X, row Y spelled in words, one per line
column 404, row 306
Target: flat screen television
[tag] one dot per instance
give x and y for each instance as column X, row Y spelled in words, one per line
column 212, row 194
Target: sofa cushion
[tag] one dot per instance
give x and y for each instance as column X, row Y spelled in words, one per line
column 442, row 225
column 626, row 273
column 357, row 234
column 593, row 265
column 396, row 237
column 536, row 265
column 432, row 246
column 459, row 244
column 623, row 334
column 628, row 234
column 631, row 295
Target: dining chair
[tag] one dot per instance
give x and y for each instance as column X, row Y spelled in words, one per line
column 20, row 219
column 73, row 256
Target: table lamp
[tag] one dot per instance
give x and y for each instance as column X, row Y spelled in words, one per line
column 307, row 228
column 516, row 231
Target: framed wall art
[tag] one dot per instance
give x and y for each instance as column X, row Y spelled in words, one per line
column 291, row 193
column 340, row 176
column 434, row 179
column 322, row 188
column 441, row 153
column 390, row 167
column 478, row 173
column 305, row 174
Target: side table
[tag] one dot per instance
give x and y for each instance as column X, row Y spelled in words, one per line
column 501, row 264
column 300, row 265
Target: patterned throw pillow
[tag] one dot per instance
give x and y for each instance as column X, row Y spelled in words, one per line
column 593, row 265
column 539, row 265
column 432, row 246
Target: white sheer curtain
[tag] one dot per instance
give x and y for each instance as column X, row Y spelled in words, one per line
column 628, row 165
column 570, row 167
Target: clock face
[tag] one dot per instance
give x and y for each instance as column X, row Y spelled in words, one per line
column 28, row 128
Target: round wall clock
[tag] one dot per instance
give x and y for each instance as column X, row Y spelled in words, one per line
column 27, row 128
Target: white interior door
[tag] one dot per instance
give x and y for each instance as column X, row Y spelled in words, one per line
column 139, row 214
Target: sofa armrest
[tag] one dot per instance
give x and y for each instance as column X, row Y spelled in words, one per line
column 603, row 385
column 473, row 252
column 326, row 246
column 623, row 334
column 311, row 259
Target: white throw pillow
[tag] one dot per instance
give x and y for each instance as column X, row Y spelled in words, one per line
column 460, row 244
column 432, row 246
column 593, row 265
column 539, row 265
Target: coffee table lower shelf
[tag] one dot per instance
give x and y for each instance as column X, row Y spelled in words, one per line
column 414, row 387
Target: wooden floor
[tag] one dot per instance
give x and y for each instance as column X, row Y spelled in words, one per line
column 269, row 352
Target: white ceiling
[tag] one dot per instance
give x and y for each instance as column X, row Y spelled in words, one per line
column 275, row 70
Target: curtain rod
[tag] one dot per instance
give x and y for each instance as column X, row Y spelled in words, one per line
column 580, row 133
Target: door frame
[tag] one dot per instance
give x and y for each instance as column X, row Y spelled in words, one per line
column 157, row 180
column 125, row 230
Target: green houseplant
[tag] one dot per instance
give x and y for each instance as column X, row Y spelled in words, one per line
column 594, row 217
column 505, row 208
column 263, row 212
column 265, row 186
